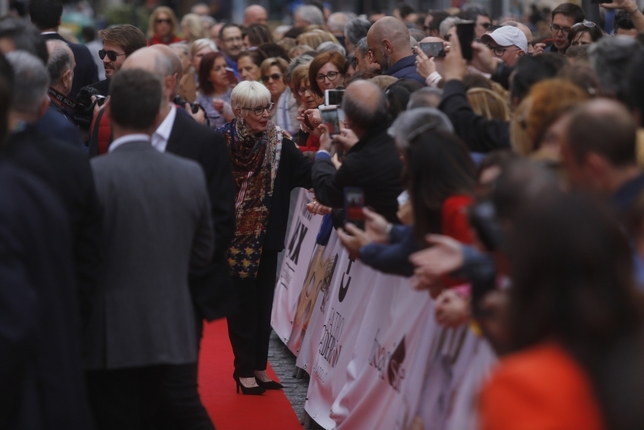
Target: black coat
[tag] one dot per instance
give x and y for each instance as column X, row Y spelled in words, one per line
column 294, row 171
column 371, row 164
column 479, row 134
column 211, row 288
column 41, row 377
column 85, row 72
column 67, row 171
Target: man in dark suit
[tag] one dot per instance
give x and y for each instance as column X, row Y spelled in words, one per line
column 143, row 322
column 56, row 121
column 211, row 288
column 41, row 378
column 46, row 16
column 371, row 163
column 66, row 170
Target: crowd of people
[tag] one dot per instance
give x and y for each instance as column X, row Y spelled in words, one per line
column 503, row 173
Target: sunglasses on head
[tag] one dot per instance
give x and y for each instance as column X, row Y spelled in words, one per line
column 585, row 23
column 274, row 76
column 161, row 21
column 110, row 54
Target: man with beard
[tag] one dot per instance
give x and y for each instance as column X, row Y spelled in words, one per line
column 118, row 43
column 388, row 40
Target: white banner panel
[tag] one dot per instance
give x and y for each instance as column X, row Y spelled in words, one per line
column 334, row 342
column 300, row 247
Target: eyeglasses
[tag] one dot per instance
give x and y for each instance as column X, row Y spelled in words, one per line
column 260, row 110
column 497, row 50
column 557, row 28
column 233, row 39
column 303, row 91
column 110, row 54
column 330, row 76
column 585, row 23
column 274, row 76
column 161, row 21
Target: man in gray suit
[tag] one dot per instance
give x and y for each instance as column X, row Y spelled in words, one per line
column 157, row 225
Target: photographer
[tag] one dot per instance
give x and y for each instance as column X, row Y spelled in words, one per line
column 56, row 121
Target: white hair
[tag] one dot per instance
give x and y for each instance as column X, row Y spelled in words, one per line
column 249, row 94
column 30, row 83
column 311, row 14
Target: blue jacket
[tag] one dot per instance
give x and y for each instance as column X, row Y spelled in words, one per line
column 405, row 68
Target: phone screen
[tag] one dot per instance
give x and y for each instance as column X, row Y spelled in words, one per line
column 433, row 49
column 330, row 119
column 465, row 31
column 333, row 97
column 232, row 79
column 353, row 204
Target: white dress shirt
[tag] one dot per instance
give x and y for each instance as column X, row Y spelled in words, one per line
column 162, row 133
column 138, row 137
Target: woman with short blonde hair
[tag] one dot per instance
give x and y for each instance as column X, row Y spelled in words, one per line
column 266, row 167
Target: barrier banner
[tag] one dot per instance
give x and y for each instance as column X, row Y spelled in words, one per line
column 333, row 334
column 300, row 245
column 389, row 376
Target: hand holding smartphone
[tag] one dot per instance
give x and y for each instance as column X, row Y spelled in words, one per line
column 330, row 119
column 353, row 205
column 433, row 49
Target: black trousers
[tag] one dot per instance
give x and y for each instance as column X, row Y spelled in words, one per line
column 250, row 327
column 181, row 407
column 126, row 399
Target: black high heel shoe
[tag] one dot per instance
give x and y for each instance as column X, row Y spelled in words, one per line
column 248, row 390
column 269, row 385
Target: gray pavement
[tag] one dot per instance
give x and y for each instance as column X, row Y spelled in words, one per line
column 283, row 363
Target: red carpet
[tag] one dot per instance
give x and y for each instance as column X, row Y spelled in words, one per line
column 230, row 411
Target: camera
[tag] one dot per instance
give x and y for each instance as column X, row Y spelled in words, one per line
column 84, row 110
column 194, row 107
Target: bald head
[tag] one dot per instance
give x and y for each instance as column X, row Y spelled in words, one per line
column 255, row 14
column 604, row 127
column 60, row 65
column 365, row 106
column 172, row 56
column 158, row 61
column 389, row 41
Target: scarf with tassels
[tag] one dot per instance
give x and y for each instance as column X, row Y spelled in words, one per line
column 255, row 160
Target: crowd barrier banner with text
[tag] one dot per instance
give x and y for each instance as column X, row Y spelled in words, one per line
column 376, row 357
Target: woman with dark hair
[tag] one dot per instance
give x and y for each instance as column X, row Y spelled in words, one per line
column 214, row 89
column 255, row 35
column 584, row 33
column 266, row 167
column 574, row 323
column 248, row 64
column 326, row 72
column 398, row 95
column 439, row 176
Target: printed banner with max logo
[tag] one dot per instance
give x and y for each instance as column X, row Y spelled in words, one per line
column 291, row 305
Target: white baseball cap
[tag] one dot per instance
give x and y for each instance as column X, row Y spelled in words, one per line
column 507, row 36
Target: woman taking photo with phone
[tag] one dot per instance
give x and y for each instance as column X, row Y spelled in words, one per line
column 214, row 89
column 266, row 167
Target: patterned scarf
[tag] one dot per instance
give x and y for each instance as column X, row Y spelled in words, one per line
column 255, row 160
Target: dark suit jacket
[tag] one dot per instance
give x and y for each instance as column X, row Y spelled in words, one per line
column 85, row 72
column 41, row 378
column 67, row 172
column 211, row 288
column 157, row 225
column 58, row 125
column 372, row 164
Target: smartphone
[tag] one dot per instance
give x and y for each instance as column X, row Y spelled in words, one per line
column 333, row 97
column 329, row 116
column 465, row 31
column 232, row 79
column 353, row 204
column 433, row 49
column 307, row 122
